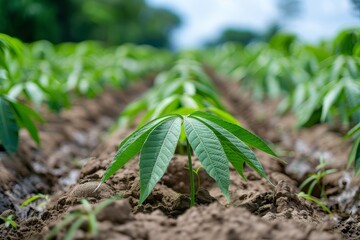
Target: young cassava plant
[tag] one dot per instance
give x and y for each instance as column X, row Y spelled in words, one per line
column 214, row 141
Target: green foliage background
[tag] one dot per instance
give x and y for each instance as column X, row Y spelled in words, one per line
column 111, row 21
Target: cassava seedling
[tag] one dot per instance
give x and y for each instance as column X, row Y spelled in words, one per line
column 214, row 141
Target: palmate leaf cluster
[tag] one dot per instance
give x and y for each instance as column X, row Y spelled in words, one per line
column 318, row 83
column 214, row 141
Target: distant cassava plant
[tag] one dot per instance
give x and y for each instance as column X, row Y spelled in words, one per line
column 319, row 83
column 184, row 88
column 214, row 141
column 43, row 73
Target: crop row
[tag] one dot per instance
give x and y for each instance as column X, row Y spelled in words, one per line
column 41, row 72
column 318, row 83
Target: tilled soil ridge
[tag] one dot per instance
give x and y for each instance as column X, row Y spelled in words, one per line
column 258, row 209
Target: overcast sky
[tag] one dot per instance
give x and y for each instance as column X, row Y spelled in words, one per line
column 204, row 20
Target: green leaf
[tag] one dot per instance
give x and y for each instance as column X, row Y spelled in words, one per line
column 185, row 111
column 354, row 156
column 146, row 117
column 74, row 227
column 307, row 181
column 353, row 131
column 35, row 93
column 329, row 100
column 156, row 154
column 190, row 102
column 236, row 151
column 30, row 200
column 9, row 130
column 357, row 159
column 24, row 115
column 313, row 199
column 207, row 91
column 208, row 149
column 239, row 132
column 189, row 89
column 130, row 146
column 162, row 106
column 106, row 202
column 337, row 65
column 59, row 226
column 130, row 112
column 224, row 115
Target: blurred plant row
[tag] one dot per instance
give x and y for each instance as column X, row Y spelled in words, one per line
column 318, row 83
column 183, row 89
column 43, row 73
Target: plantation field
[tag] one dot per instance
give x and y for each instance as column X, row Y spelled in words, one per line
column 133, row 142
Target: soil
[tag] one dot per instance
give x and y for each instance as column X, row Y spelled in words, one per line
column 75, row 154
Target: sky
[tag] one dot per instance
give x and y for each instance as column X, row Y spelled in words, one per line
column 204, row 20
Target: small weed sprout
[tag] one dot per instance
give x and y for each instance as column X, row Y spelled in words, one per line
column 196, row 171
column 315, row 179
column 315, row 200
column 9, row 222
column 77, row 218
column 36, row 197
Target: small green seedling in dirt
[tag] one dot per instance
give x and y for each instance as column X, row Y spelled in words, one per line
column 315, row 200
column 196, row 171
column 35, row 198
column 79, row 217
column 9, row 222
column 214, row 141
column 315, row 179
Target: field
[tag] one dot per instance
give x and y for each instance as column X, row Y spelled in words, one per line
column 133, row 142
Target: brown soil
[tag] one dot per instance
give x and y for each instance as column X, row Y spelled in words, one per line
column 258, row 209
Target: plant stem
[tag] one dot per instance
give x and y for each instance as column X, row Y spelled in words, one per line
column 191, row 173
column 181, row 149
